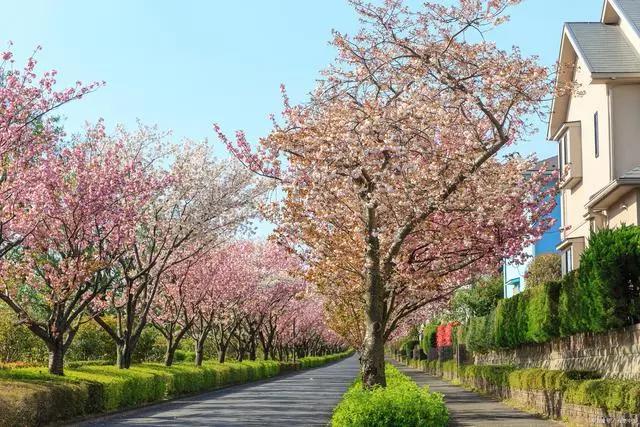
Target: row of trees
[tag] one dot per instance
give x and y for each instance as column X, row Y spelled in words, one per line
column 128, row 226
column 395, row 196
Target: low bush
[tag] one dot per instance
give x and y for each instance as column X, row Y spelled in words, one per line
column 31, row 396
column 401, row 403
column 575, row 387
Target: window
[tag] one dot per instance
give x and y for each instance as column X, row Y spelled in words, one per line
column 596, row 139
column 564, row 151
column 567, row 261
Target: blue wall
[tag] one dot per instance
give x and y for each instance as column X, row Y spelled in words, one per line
column 513, row 273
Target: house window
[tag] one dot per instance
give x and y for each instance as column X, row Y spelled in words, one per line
column 564, row 151
column 595, row 134
column 567, row 261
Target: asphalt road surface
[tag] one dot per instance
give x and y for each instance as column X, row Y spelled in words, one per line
column 305, row 398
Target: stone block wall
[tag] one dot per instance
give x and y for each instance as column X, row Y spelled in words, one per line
column 548, row 403
column 615, row 354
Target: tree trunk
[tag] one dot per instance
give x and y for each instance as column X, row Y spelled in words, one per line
column 168, row 356
column 124, row 355
column 222, row 354
column 372, row 358
column 199, row 351
column 56, row 357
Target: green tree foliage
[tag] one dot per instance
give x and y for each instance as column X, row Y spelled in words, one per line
column 478, row 299
column 17, row 343
column 544, row 269
column 610, row 274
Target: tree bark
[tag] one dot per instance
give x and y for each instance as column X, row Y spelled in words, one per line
column 124, row 356
column 56, row 357
column 170, row 351
column 372, row 357
column 222, row 354
column 199, row 352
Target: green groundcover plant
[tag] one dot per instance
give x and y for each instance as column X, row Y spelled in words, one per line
column 401, row 403
column 32, row 396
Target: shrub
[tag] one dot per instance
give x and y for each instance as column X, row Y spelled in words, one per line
column 17, row 343
column 610, row 272
column 444, row 334
column 480, row 336
column 542, row 313
column 429, row 337
column 91, row 342
column 408, row 346
column 401, row 403
column 576, row 387
column 31, row 396
column 543, row 269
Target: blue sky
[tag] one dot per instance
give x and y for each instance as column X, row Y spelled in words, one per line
column 186, row 64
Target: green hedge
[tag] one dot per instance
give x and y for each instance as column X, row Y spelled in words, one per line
column 31, row 396
column 408, row 346
column 401, row 403
column 604, row 294
column 576, row 387
column 429, row 337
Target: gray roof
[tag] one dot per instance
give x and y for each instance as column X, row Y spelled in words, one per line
column 604, row 47
column 632, row 173
column 631, row 10
column 550, row 163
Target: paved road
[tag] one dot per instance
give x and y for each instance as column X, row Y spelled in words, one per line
column 304, row 398
column 471, row 409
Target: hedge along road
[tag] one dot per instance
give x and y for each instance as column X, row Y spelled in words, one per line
column 305, row 398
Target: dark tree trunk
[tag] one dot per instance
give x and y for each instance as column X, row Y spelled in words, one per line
column 222, row 354
column 200, row 349
column 125, row 355
column 56, row 357
column 372, row 357
column 170, row 352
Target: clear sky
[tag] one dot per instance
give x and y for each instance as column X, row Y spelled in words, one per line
column 186, row 64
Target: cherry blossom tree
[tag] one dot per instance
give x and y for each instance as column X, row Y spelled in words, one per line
column 393, row 188
column 27, row 130
column 204, row 203
column 224, row 277
column 175, row 309
column 278, row 282
column 84, row 202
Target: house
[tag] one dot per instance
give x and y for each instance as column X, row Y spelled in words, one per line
column 512, row 272
column 597, row 126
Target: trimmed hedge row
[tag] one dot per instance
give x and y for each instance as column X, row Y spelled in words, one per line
column 604, row 294
column 401, row 403
column 576, row 387
column 528, row 317
column 31, row 396
column 429, row 337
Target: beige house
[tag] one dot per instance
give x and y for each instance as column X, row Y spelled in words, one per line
column 598, row 127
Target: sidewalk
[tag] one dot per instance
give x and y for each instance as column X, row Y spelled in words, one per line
column 472, row 409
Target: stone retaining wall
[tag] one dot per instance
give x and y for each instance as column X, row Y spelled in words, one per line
column 547, row 403
column 614, row 354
